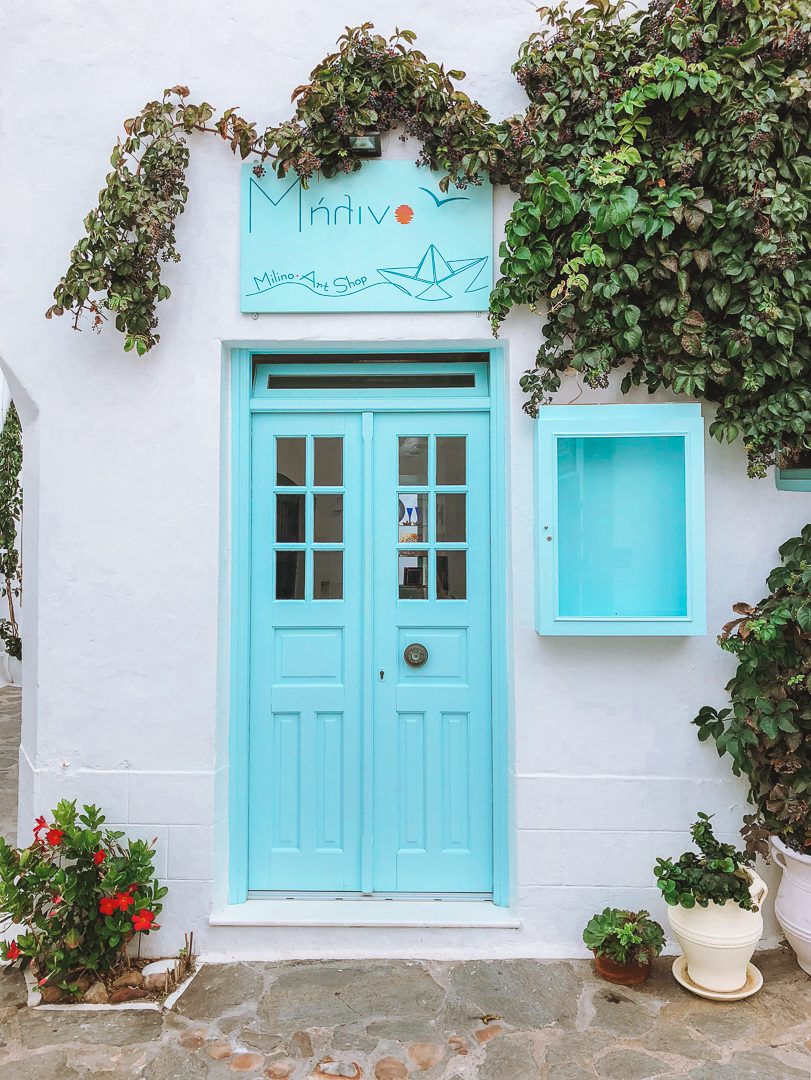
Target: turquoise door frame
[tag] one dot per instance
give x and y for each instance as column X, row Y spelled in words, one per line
column 250, row 399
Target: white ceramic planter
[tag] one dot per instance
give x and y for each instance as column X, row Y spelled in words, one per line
column 718, row 940
column 793, row 904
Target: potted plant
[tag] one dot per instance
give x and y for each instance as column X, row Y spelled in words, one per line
column 624, row 943
column 714, row 909
column 767, row 731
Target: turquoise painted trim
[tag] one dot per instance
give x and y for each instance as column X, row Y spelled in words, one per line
column 243, row 405
column 501, row 639
column 387, row 397
column 618, row 421
column 240, row 626
column 792, row 479
column 367, row 632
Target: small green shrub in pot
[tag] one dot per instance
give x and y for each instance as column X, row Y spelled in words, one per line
column 624, row 943
column 81, row 894
column 714, row 902
column 718, row 874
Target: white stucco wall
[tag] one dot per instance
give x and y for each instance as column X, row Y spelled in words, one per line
column 124, row 486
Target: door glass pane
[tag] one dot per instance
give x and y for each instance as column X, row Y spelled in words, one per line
column 328, row 575
column 289, row 575
column 450, row 459
column 450, row 516
column 622, row 531
column 290, row 519
column 412, row 518
column 412, row 575
column 328, row 466
column 291, row 458
column 451, row 575
column 413, row 458
column 328, row 525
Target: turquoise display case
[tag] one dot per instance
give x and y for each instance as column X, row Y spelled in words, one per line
column 792, row 479
column 620, row 520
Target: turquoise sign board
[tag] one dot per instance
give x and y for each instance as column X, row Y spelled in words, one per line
column 381, row 239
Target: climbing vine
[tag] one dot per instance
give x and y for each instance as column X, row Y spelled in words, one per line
column 665, row 209
column 11, row 505
column 767, row 729
column 369, row 84
column 662, row 177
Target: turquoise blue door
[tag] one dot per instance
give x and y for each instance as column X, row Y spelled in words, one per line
column 305, row 721
column 370, row 736
column 432, row 732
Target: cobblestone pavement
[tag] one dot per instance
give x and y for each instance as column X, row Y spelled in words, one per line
column 393, row 1019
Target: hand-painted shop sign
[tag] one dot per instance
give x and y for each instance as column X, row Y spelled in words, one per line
column 381, row 239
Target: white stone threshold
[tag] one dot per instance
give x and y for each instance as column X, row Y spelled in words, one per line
column 482, row 914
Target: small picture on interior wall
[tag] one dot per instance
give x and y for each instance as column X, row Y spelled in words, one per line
column 412, row 576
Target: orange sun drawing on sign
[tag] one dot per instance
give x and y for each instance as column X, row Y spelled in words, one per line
column 404, row 214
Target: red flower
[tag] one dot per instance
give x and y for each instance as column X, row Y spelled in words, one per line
column 99, row 857
column 144, row 920
column 13, row 951
column 57, row 899
column 108, row 905
column 43, row 980
column 54, row 836
column 39, row 825
column 125, row 900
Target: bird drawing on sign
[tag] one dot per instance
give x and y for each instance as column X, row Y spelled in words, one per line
column 441, row 202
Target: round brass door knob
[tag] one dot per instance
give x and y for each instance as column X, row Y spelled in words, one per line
column 415, row 655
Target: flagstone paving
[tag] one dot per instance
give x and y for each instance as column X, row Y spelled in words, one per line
column 10, row 704
column 402, row 1020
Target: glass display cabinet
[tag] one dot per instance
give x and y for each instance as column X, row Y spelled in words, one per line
column 620, row 520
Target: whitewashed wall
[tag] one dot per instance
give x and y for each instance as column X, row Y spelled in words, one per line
column 123, row 481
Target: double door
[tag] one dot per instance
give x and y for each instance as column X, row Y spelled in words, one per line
column 370, row 737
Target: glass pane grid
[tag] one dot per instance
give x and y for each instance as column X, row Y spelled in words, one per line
column 432, row 564
column 306, row 568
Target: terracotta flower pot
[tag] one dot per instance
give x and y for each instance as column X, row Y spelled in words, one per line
column 625, row 974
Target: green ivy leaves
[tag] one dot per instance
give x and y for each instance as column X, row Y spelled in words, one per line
column 767, row 730
column 683, row 137
column 662, row 164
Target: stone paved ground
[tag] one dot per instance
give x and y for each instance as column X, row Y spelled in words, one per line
column 10, row 701
column 392, row 1019
column 397, row 1019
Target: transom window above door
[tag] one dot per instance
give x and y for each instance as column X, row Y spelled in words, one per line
column 432, row 529
column 309, row 513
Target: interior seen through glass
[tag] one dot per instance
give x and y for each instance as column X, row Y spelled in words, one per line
column 309, row 517
column 291, row 455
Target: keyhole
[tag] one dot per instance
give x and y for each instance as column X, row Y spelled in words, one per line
column 382, row 673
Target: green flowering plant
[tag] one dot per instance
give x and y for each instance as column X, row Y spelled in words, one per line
column 81, row 894
column 716, row 875
column 626, row 937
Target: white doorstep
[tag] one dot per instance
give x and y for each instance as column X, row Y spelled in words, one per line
column 415, row 913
